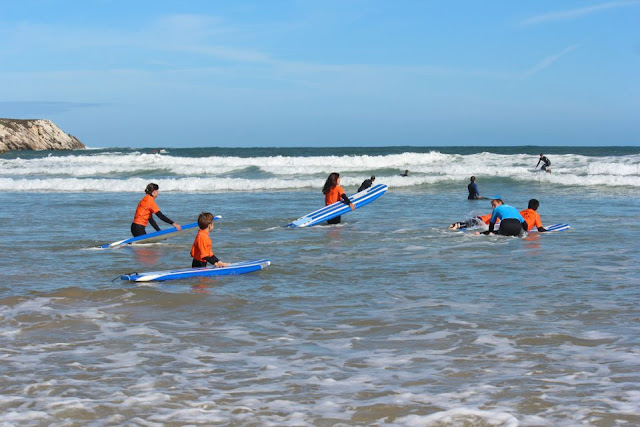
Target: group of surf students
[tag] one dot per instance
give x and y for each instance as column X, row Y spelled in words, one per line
column 512, row 222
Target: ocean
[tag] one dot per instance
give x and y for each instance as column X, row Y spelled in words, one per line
column 388, row 318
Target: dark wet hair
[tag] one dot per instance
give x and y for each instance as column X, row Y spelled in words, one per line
column 151, row 188
column 533, row 204
column 473, row 178
column 373, row 177
column 204, row 219
column 332, row 181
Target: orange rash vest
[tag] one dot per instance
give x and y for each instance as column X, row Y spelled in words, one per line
column 201, row 247
column 532, row 217
column 333, row 195
column 146, row 208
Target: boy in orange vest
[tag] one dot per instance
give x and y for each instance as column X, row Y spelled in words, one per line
column 201, row 250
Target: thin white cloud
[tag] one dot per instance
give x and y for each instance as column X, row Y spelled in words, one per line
column 548, row 61
column 566, row 15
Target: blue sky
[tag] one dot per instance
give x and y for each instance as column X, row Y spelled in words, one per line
column 325, row 73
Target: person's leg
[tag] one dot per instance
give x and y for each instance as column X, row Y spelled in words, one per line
column 197, row 263
column 510, row 227
column 137, row 230
column 335, row 220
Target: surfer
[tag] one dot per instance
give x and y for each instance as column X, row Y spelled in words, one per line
column 473, row 222
column 406, row 173
column 546, row 163
column 474, row 193
column 145, row 210
column 333, row 192
column 201, row 250
column 366, row 183
column 532, row 217
column 512, row 223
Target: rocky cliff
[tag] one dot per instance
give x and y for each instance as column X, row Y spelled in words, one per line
column 35, row 135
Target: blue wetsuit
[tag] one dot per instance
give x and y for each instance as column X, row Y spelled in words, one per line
column 474, row 193
column 511, row 222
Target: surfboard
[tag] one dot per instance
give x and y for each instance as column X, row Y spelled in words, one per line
column 339, row 208
column 156, row 236
column 554, row 227
column 185, row 273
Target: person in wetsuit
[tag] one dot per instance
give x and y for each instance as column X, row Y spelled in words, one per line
column 532, row 217
column 333, row 192
column 546, row 163
column 476, row 221
column 145, row 210
column 366, row 183
column 474, row 193
column 511, row 222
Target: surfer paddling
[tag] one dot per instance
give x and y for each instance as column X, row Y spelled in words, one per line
column 333, row 192
column 145, row 210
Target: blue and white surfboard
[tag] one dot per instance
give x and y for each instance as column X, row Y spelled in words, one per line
column 554, row 227
column 339, row 208
column 156, row 236
column 185, row 273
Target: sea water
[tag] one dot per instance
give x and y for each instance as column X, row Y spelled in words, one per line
column 386, row 319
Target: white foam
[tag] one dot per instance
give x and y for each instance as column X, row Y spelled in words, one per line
column 126, row 172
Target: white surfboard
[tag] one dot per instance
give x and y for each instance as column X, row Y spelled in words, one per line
column 185, row 273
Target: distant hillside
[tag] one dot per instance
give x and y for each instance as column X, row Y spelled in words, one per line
column 35, row 134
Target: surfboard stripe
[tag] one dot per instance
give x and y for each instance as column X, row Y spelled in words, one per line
column 184, row 273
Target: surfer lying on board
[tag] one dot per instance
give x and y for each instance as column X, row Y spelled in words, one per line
column 333, row 192
column 201, row 250
column 145, row 210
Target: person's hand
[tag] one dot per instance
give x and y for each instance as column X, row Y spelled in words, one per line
column 177, row 226
column 221, row 264
column 352, row 206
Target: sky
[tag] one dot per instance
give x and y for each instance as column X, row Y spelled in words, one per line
column 285, row 73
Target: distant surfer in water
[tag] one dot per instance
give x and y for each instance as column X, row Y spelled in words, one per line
column 366, row 183
column 406, row 173
column 512, row 223
column 202, row 250
column 145, row 210
column 333, row 192
column 546, row 163
column 474, row 193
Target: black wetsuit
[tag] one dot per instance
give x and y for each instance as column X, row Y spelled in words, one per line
column 546, row 161
column 365, row 184
column 212, row 259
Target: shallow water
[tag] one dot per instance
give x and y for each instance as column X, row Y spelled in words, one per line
column 388, row 318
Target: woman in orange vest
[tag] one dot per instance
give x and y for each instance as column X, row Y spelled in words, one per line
column 144, row 213
column 333, row 192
